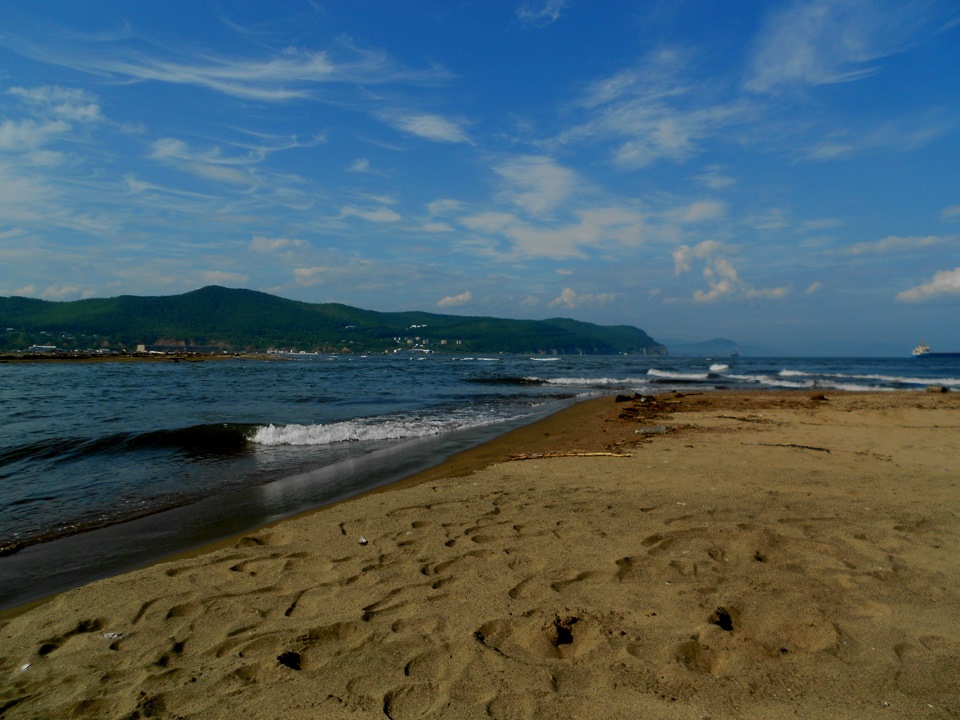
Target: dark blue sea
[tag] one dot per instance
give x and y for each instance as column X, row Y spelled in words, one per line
column 107, row 466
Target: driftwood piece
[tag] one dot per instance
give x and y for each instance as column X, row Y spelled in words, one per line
column 794, row 445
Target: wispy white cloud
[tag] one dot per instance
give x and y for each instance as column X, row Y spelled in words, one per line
column 210, row 164
column 945, row 282
column 597, row 229
column 893, row 244
column 772, row 219
column 489, row 222
column 377, row 215
column 535, row 183
column 541, row 12
column 463, row 298
column 652, row 113
column 768, row 293
column 444, row 206
column 822, row 223
column 698, row 211
column 436, row 227
column 818, row 42
column 714, row 179
column 428, row 126
column 360, row 165
column 287, row 75
column 950, row 214
column 901, row 135
column 262, row 244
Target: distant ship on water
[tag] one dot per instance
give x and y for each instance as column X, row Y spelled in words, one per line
column 923, row 350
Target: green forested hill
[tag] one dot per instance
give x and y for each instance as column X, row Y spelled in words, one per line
column 250, row 320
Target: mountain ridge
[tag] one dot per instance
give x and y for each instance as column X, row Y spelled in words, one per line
column 242, row 319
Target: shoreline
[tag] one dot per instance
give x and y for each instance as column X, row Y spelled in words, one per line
column 17, row 358
column 737, row 554
column 400, row 466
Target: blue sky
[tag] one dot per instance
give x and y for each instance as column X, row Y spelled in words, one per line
column 785, row 174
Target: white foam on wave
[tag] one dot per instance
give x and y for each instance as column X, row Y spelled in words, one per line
column 774, row 381
column 595, row 381
column 675, row 375
column 895, row 379
column 364, row 430
column 820, row 382
column 853, row 387
column 717, row 367
column 549, row 359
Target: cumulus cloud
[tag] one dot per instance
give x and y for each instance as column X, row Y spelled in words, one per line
column 311, row 275
column 722, row 278
column 684, row 254
column 25, row 291
column 64, row 103
column 456, row 300
column 63, row 292
column 427, row 126
column 945, row 282
column 29, row 134
column 570, row 299
column 720, row 274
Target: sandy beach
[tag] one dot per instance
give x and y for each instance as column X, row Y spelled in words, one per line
column 715, row 555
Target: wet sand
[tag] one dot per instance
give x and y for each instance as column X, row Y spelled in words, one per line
column 724, row 555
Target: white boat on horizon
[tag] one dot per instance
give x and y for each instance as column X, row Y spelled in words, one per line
column 923, row 350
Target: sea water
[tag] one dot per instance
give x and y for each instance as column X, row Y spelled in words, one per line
column 104, row 466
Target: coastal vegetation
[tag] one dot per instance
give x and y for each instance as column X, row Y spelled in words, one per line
column 238, row 320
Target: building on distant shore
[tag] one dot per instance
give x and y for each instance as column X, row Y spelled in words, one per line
column 205, row 349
